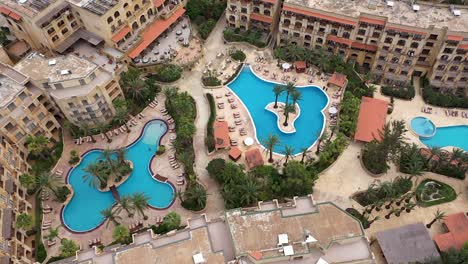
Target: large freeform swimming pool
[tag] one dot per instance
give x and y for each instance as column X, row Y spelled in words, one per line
column 256, row 93
column 454, row 136
column 82, row 213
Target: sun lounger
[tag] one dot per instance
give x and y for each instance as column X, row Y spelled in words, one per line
column 51, row 242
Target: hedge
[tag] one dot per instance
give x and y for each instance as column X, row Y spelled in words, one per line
column 238, row 55
column 405, row 92
column 211, row 81
column 434, row 97
column 168, row 73
column 209, row 141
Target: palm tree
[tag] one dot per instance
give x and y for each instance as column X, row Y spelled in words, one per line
column 135, row 89
column 111, row 216
column 38, row 146
column 121, row 153
column 121, row 117
column 409, row 207
column 87, row 131
column 121, row 234
column 24, row 221
column 102, row 128
column 378, row 206
column 140, row 203
column 289, row 89
column 53, row 233
column 46, row 180
column 126, row 204
column 433, row 152
column 439, row 215
column 27, row 181
column 457, row 155
column 277, row 90
column 287, row 109
column 392, row 211
column 288, row 151
column 197, row 194
column 270, row 143
column 296, row 96
column 304, row 152
column 68, row 248
column 373, row 220
column 95, row 176
column 170, row 92
column 371, row 193
column 249, row 192
column 321, row 139
column 332, row 132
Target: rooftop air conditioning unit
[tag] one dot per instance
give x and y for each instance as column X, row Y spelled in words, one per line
column 416, row 8
column 455, row 12
column 52, row 62
column 65, row 72
column 390, row 3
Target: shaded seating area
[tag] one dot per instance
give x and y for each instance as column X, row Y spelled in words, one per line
column 221, row 134
column 235, row 153
column 338, row 80
column 372, row 118
column 300, row 66
column 457, row 232
column 253, row 158
column 407, row 244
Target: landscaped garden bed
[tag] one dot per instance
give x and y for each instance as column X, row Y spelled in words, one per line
column 403, row 92
column 384, row 191
column 431, row 192
column 209, row 141
column 251, row 37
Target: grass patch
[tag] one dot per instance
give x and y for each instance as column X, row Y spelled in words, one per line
column 209, row 140
column 434, row 194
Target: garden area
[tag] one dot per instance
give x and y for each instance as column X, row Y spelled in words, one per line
column 182, row 108
column 377, row 193
column 211, row 79
column 403, row 92
column 250, row 36
column 204, row 14
column 431, row 192
column 263, row 183
column 209, row 140
column 434, row 96
column 167, row 73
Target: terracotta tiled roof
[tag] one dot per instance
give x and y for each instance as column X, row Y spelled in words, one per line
column 406, row 30
column 262, row 18
column 235, row 153
column 463, row 46
column 338, row 79
column 455, row 38
column 253, row 158
column 121, row 34
column 372, row 117
column 457, row 225
column 8, row 12
column 158, row 3
column 300, row 64
column 363, row 46
column 153, row 31
column 372, row 21
column 221, row 134
column 340, row 40
column 321, row 16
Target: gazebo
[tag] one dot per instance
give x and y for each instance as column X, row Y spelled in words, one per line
column 300, row 66
column 338, row 80
column 235, row 153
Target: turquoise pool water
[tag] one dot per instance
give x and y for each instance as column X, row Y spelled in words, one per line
column 256, row 93
column 82, row 213
column 423, row 126
column 455, row 136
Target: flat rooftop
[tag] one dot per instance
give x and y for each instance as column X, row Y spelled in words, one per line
column 98, row 7
column 29, row 8
column 256, row 231
column 11, row 83
column 38, row 67
column 401, row 12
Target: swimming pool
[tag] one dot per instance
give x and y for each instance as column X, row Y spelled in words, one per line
column 256, row 93
column 454, row 136
column 423, row 126
column 82, row 213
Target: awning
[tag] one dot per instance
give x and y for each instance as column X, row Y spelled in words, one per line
column 358, row 45
column 79, row 34
column 261, row 18
column 153, row 31
column 339, row 40
column 338, row 79
column 371, row 119
column 8, row 12
column 463, row 46
column 158, row 3
column 121, row 34
column 454, row 38
column 7, row 222
column 321, row 16
column 221, row 134
column 405, row 30
column 300, row 65
column 372, row 21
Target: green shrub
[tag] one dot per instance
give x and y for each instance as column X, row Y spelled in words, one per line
column 205, row 28
column 194, row 197
column 447, row 193
column 168, row 73
column 384, row 191
column 238, row 55
column 41, row 253
column 211, row 81
column 62, row 193
column 406, row 92
column 252, row 37
column 358, row 216
column 161, row 150
column 434, row 97
column 209, row 141
column 74, row 157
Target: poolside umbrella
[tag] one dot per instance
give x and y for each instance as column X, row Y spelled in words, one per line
column 248, row 141
column 286, row 66
column 332, row 110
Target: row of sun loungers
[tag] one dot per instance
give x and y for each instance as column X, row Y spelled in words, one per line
column 453, row 113
column 45, row 195
column 233, row 106
column 94, row 242
column 153, row 104
column 427, row 110
column 135, row 226
column 180, row 181
column 242, row 132
column 47, row 209
column 173, row 162
column 464, row 114
column 220, row 105
column 51, row 242
column 260, row 59
column 46, row 224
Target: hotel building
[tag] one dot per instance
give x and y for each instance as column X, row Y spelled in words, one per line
column 303, row 231
column 23, row 111
column 394, row 39
column 55, row 25
column 82, row 90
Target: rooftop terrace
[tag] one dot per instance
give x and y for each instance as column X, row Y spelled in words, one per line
column 11, row 83
column 402, row 12
column 58, row 69
column 99, row 7
column 28, row 8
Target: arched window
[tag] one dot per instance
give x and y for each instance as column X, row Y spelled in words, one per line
column 319, row 40
column 150, row 12
column 116, row 14
column 142, row 19
column 128, row 14
column 401, row 42
column 135, row 26
column 267, row 13
column 137, row 7
column 109, row 20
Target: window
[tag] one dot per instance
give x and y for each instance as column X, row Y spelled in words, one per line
column 60, row 23
column 109, row 20
column 407, row 62
column 89, row 109
column 96, row 97
column 51, row 30
column 85, row 102
column 19, row 135
column 41, row 116
column 375, row 34
column 398, row 50
column 433, row 37
column 453, row 68
column 74, row 24
column 55, row 38
column 382, row 58
column 9, row 127
column 430, row 44
column 448, row 51
column 362, row 32
column 82, row 82
column 388, row 40
column 425, row 51
column 441, row 67
column 22, row 95
column 26, row 120
column 117, row 14
column 401, row 42
column 11, row 106
column 414, row 45
column 92, row 76
column 64, row 31
column 58, row 86
column 450, row 79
